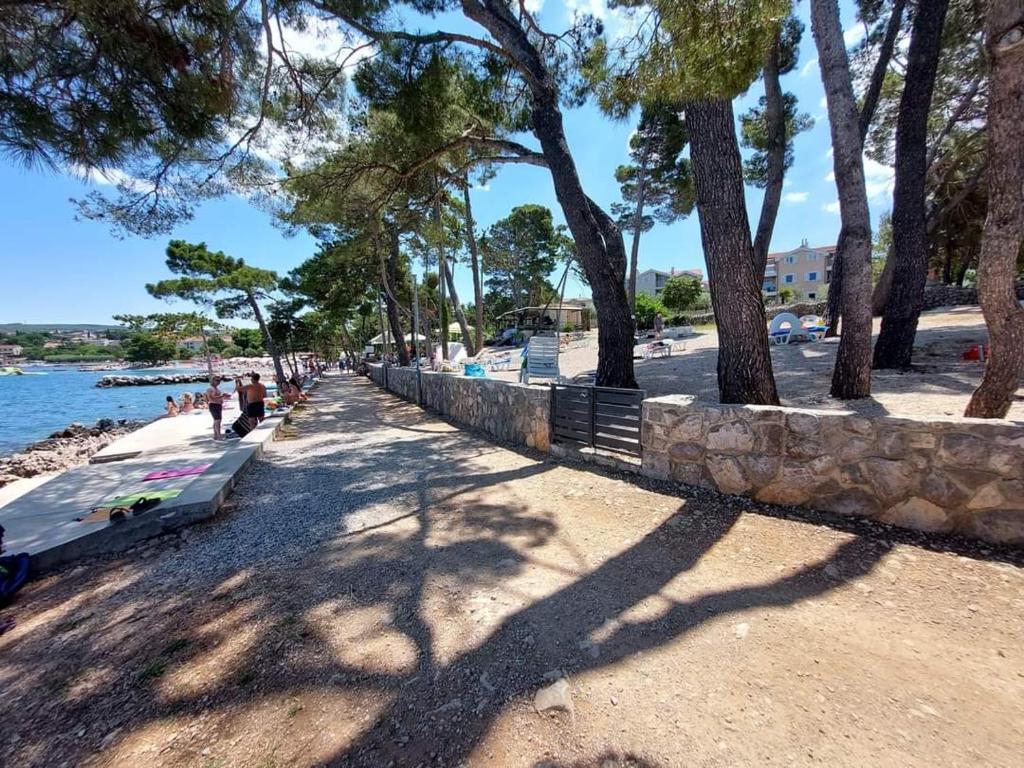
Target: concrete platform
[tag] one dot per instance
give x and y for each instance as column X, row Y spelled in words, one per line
column 41, row 520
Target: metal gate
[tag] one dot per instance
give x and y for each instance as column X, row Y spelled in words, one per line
column 597, row 417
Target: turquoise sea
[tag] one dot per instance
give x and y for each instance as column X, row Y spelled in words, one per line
column 46, row 400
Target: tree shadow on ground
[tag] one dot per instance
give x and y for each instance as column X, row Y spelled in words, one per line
column 261, row 604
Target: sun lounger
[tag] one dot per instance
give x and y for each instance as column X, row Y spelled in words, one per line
column 786, row 328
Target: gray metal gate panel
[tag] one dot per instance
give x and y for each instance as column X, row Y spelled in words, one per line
column 598, row 417
column 571, row 414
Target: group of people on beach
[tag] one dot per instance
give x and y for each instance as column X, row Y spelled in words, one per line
column 252, row 399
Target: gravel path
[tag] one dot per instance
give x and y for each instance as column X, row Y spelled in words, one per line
column 385, row 589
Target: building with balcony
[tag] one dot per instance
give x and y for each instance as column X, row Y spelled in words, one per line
column 651, row 282
column 805, row 270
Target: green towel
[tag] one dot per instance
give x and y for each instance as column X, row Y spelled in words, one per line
column 127, row 501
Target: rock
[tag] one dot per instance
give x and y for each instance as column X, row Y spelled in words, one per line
column 919, row 514
column 730, row 437
column 741, row 630
column 556, row 696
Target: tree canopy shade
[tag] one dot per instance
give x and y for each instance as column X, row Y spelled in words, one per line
column 230, row 285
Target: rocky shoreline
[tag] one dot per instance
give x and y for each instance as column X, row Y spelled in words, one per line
column 66, row 448
column 172, row 378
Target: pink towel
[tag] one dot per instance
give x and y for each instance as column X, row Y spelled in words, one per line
column 167, row 474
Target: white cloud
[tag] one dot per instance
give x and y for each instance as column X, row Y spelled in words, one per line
column 810, row 66
column 823, row 103
column 795, row 197
column 878, row 178
column 596, row 8
column 830, row 176
column 832, row 207
column 111, row 177
column 854, row 35
column 482, row 188
column 534, row 6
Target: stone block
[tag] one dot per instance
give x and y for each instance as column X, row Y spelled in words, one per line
column 782, row 492
column 918, row 514
column 939, row 488
column 800, row 447
column 803, row 423
column 686, row 452
column 858, row 425
column 891, row 480
column 688, row 427
column 656, row 466
column 852, row 501
column 730, row 437
column 761, row 469
column 961, row 450
column 999, row 526
column 727, row 474
column 769, row 438
column 689, row 474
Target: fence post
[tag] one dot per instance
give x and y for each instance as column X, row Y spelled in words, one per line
column 551, row 415
column 593, row 414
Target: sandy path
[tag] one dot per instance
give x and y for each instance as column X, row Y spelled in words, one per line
column 385, row 589
column 940, row 384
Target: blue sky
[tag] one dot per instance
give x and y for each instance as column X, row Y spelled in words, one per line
column 56, row 269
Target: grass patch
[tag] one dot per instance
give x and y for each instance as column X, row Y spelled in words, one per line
column 154, row 670
column 175, row 645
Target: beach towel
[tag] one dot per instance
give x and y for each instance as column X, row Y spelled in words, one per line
column 168, row 474
column 126, row 501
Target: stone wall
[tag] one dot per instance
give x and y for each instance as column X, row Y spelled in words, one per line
column 956, row 475
column 513, row 413
column 954, row 296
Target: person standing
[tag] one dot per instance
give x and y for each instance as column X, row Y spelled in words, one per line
column 215, row 402
column 255, row 392
column 659, row 325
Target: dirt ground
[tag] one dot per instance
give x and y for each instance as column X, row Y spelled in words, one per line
column 384, row 589
column 940, row 383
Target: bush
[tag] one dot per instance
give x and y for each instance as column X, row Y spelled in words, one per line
column 681, row 293
column 646, row 309
column 231, row 351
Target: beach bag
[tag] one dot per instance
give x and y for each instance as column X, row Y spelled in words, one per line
column 475, row 370
column 242, row 425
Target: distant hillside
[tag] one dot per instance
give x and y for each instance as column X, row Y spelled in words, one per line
column 39, row 327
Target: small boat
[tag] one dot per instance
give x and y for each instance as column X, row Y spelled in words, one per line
column 11, row 371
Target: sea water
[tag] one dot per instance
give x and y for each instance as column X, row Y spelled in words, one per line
column 46, row 400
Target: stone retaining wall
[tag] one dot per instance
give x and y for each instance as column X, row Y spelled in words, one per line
column 513, row 413
column 956, row 475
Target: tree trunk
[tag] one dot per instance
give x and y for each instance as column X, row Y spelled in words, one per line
column 442, row 271
column 1004, row 222
column 474, row 261
column 744, row 361
column 882, row 289
column 460, row 315
column 267, row 338
column 598, row 240
column 391, row 277
column 775, row 120
column 833, row 310
column 206, row 350
column 895, row 344
column 638, row 220
column 851, row 377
